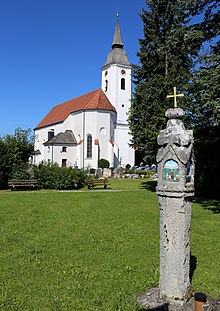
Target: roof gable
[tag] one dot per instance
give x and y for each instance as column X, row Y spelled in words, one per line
column 66, row 138
column 95, row 100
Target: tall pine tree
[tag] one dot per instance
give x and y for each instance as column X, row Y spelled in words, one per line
column 168, row 53
column 205, row 120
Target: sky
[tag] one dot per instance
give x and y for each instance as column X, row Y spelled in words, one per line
column 52, row 51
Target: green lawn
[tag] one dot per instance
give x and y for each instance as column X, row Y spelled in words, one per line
column 92, row 250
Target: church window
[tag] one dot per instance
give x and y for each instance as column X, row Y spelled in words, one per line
column 122, row 84
column 122, row 105
column 64, row 162
column 106, row 85
column 50, row 134
column 64, row 149
column 89, row 146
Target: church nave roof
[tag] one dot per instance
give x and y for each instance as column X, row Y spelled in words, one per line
column 95, row 100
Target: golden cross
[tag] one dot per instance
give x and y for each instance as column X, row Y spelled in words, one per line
column 175, row 96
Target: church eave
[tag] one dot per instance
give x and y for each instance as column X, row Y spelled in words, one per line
column 47, row 143
column 107, row 65
column 47, row 125
column 93, row 109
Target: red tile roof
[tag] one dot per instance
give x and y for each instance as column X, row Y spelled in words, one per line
column 95, row 100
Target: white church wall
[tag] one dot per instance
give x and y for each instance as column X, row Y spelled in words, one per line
column 125, row 153
column 119, row 98
column 105, row 135
column 40, row 137
column 83, row 123
column 124, row 99
column 90, row 129
column 99, row 124
column 75, row 123
column 60, row 157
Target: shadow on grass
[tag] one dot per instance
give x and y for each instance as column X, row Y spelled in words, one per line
column 164, row 307
column 193, row 262
column 149, row 185
column 99, row 188
column 210, row 205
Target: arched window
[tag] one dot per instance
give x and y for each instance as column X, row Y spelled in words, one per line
column 89, row 146
column 106, row 85
column 123, row 84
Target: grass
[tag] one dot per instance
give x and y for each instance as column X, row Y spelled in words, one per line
column 126, row 184
column 92, row 250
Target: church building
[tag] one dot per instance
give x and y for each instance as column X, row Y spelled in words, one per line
column 93, row 126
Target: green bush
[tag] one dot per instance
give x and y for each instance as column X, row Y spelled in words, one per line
column 52, row 176
column 145, row 173
column 22, row 171
column 103, row 163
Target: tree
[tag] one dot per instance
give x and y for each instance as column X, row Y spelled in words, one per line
column 19, row 149
column 4, row 165
column 205, row 120
column 168, row 53
column 204, row 90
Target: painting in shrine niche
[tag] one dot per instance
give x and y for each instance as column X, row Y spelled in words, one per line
column 171, row 171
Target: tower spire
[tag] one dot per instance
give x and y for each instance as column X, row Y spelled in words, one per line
column 117, row 41
column 117, row 55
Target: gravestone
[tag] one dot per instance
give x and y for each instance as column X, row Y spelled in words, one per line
column 98, row 173
column 107, row 172
column 118, row 172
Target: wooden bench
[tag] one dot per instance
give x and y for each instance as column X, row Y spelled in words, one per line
column 22, row 184
column 97, row 182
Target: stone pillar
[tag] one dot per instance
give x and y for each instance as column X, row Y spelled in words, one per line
column 175, row 189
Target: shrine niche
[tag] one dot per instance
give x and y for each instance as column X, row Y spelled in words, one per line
column 171, row 171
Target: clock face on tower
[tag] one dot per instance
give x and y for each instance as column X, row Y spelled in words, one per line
column 123, row 72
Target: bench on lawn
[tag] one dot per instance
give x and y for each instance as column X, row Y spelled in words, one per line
column 97, row 182
column 23, row 184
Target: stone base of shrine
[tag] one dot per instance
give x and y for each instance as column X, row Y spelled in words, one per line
column 151, row 300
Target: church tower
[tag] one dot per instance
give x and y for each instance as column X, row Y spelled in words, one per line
column 116, row 84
